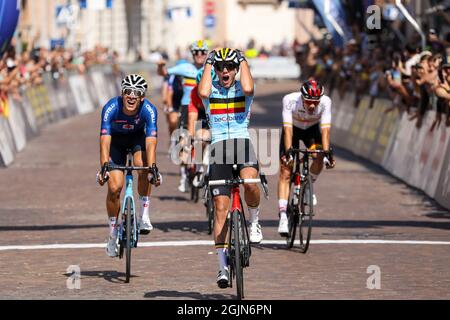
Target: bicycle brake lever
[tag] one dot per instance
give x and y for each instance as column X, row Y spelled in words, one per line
column 262, row 176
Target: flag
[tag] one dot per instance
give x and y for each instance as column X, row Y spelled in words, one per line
column 333, row 16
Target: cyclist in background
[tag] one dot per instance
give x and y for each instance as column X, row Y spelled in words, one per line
column 227, row 103
column 306, row 117
column 196, row 112
column 188, row 71
column 172, row 95
column 129, row 122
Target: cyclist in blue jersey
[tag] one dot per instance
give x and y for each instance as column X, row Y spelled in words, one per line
column 172, row 95
column 129, row 122
column 188, row 71
column 227, row 103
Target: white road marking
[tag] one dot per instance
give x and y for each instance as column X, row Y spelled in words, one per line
column 211, row 243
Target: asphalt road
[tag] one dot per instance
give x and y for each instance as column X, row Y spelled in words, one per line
column 370, row 219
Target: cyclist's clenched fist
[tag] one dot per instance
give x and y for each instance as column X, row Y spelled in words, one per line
column 103, row 174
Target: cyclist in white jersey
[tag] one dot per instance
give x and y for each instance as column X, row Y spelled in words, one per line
column 306, row 117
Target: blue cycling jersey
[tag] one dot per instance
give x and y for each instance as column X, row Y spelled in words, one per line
column 114, row 121
column 189, row 73
column 228, row 112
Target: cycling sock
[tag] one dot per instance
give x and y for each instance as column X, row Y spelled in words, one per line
column 222, row 254
column 183, row 172
column 282, row 205
column 314, row 177
column 283, row 215
column 145, row 205
column 254, row 213
column 112, row 227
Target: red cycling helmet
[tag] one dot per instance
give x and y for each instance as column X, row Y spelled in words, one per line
column 312, row 90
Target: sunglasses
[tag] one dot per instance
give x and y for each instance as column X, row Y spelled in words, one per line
column 132, row 91
column 220, row 66
column 201, row 52
column 311, row 102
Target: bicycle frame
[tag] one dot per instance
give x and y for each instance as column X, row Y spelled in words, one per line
column 129, row 195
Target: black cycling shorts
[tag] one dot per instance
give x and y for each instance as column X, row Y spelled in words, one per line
column 121, row 143
column 311, row 136
column 224, row 154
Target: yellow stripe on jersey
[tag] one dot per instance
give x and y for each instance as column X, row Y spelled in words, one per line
column 189, row 82
column 217, row 106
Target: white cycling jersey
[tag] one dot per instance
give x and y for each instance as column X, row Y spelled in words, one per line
column 295, row 114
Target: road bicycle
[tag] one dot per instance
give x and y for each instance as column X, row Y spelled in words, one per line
column 300, row 209
column 128, row 233
column 239, row 250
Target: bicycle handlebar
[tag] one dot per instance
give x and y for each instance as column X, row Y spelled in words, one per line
column 226, row 182
column 132, row 168
column 307, row 151
column 238, row 181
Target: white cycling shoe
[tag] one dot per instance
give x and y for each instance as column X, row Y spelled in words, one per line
column 145, row 226
column 314, row 198
column 111, row 247
column 283, row 226
column 223, row 278
column 183, row 187
column 255, row 233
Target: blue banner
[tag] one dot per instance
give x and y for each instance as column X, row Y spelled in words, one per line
column 9, row 16
column 333, row 16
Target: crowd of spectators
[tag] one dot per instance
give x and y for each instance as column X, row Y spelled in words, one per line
column 18, row 71
column 415, row 79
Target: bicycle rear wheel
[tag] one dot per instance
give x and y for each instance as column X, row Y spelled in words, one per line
column 128, row 212
column 239, row 269
column 306, row 214
column 194, row 193
column 210, row 212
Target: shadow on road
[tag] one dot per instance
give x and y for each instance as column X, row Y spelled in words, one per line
column 369, row 224
column 171, row 198
column 196, row 227
column 189, row 295
column 51, row 227
column 108, row 275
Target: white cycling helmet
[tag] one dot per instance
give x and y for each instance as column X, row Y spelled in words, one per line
column 134, row 81
column 199, row 45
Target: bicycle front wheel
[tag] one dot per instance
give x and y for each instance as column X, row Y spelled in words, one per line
column 306, row 214
column 238, row 235
column 293, row 217
column 128, row 213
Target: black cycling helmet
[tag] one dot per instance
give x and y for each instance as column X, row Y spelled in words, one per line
column 312, row 90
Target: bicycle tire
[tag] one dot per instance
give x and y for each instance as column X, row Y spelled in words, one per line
column 210, row 213
column 237, row 229
column 128, row 210
column 293, row 217
column 231, row 249
column 306, row 214
column 194, row 193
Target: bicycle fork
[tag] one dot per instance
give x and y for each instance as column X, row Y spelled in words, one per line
column 129, row 195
